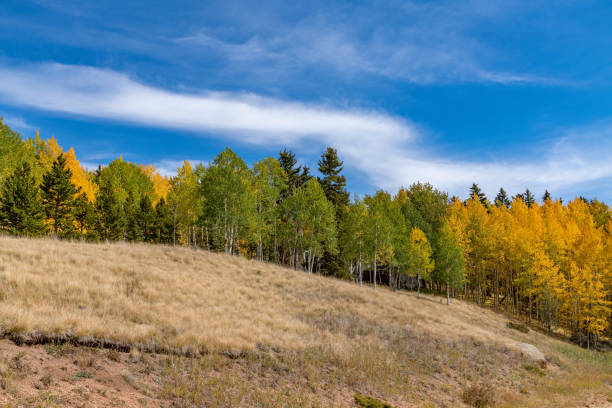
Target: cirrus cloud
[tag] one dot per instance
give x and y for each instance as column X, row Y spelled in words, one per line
column 382, row 146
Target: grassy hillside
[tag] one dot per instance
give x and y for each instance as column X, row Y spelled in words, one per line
column 262, row 335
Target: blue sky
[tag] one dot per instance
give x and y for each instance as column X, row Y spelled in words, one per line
column 514, row 94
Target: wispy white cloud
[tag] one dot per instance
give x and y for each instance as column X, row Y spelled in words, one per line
column 17, row 122
column 169, row 167
column 385, row 148
column 423, row 43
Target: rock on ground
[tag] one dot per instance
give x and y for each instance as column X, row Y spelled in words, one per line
column 531, row 352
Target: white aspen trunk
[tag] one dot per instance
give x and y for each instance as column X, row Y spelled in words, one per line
column 360, row 274
column 275, row 242
column 447, row 293
column 225, row 233
column 374, row 270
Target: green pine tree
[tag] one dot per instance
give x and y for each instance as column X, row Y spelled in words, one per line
column 146, row 219
column 546, row 196
column 85, row 216
column 502, row 199
column 20, row 209
column 163, row 223
column 297, row 176
column 333, row 183
column 528, row 198
column 132, row 218
column 58, row 194
column 477, row 192
column 334, row 186
column 111, row 217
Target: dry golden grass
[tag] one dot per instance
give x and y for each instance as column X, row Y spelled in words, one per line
column 319, row 338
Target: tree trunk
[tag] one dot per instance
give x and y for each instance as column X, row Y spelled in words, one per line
column 418, row 284
column 447, row 293
column 374, row 270
column 496, row 288
column 360, row 274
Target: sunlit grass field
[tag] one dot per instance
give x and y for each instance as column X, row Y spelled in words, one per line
column 264, row 335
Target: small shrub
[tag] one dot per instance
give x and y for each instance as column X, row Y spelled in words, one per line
column 46, row 380
column 113, row 355
column 479, row 396
column 518, row 326
column 370, row 402
column 533, row 369
column 83, row 374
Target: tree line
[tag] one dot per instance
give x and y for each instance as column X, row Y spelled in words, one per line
column 549, row 263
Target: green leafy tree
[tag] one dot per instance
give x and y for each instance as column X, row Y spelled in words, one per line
column 311, row 226
column 449, row 260
column 20, row 209
column 353, row 238
column 269, row 180
column 379, row 230
column 229, row 200
column 13, row 151
column 58, row 198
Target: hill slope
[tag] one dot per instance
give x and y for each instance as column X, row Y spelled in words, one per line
column 262, row 335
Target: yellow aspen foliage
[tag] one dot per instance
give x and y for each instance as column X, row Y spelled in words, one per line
column 47, row 151
column 161, row 184
column 419, row 255
column 80, row 177
column 552, row 262
column 548, row 287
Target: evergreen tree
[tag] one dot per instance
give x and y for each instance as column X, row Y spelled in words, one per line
column 85, row 216
column 297, row 176
column 334, row 186
column 476, row 191
column 58, row 193
column 333, row 183
column 146, row 219
column 111, row 217
column 163, row 223
column 546, row 197
column 20, row 210
column 502, row 199
column 528, row 198
column 132, row 218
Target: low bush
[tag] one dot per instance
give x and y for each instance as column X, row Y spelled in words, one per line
column 519, row 327
column 479, row 396
column 370, row 402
